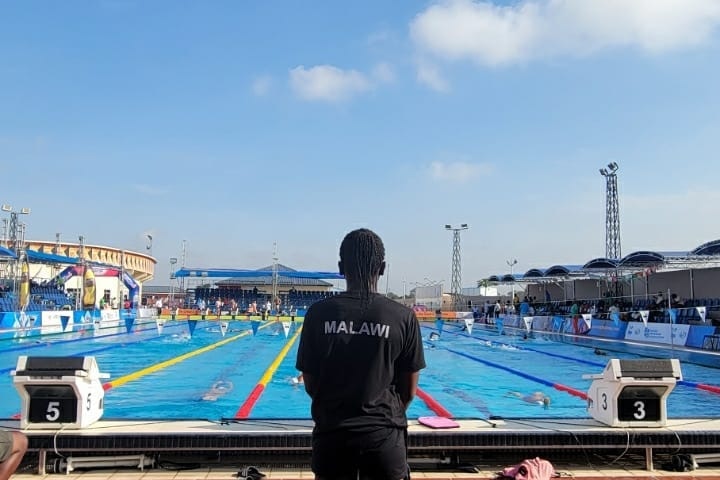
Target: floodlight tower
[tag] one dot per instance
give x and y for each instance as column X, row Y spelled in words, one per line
column 612, row 212
column 274, row 276
column 15, row 242
column 511, row 264
column 173, row 261
column 455, row 282
column 183, row 257
column 14, row 227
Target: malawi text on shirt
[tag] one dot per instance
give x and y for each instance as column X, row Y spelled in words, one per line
column 372, row 329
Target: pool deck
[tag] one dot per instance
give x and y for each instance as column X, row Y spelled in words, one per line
column 578, row 448
column 227, row 474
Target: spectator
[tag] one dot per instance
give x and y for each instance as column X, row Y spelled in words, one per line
column 360, row 354
column 13, row 446
column 675, row 301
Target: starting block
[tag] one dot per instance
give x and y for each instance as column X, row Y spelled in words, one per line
column 59, row 392
column 633, row 393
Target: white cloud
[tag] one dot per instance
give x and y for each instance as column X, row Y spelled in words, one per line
column 530, row 29
column 458, row 172
column 261, row 85
column 332, row 84
column 428, row 74
column 383, row 73
column 327, row 83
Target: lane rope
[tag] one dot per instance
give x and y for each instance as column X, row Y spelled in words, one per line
column 244, row 411
column 173, row 361
column 686, row 383
column 87, row 352
column 557, row 386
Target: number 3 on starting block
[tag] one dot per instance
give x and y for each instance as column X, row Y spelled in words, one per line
column 633, row 393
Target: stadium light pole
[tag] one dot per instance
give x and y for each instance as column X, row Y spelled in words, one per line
column 612, row 212
column 16, row 243
column 173, row 261
column 148, row 247
column 456, row 277
column 14, row 226
column 81, row 255
column 511, row 264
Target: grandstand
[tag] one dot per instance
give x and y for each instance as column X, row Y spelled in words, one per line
column 292, row 288
column 631, row 282
column 54, row 279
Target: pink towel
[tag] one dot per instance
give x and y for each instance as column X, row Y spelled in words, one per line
column 530, row 469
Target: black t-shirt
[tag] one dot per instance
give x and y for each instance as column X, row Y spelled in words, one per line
column 355, row 357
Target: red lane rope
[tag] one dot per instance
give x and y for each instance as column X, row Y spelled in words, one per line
column 708, row 388
column 433, row 404
column 572, row 391
column 247, row 406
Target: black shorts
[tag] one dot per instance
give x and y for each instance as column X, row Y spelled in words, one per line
column 379, row 454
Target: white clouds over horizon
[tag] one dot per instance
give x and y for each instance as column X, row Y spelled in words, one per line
column 497, row 35
column 429, row 75
column 332, row 84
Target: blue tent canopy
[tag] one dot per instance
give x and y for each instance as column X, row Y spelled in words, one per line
column 642, row 259
column 241, row 273
column 6, row 252
column 562, row 270
column 709, row 248
column 511, row 278
column 601, row 263
column 51, row 258
column 534, row 273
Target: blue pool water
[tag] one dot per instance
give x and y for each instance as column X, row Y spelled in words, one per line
column 469, row 375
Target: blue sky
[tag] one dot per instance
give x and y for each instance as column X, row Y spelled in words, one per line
column 234, row 125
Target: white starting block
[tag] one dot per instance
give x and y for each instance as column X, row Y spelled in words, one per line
column 59, row 392
column 633, row 393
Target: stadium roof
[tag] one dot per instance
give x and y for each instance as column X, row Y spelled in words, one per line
column 642, row 259
column 244, row 273
column 601, row 263
column 563, row 270
column 709, row 248
column 51, row 258
column 707, row 253
column 6, row 252
column 534, row 273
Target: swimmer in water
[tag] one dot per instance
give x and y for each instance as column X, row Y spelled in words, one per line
column 537, row 398
column 599, row 352
column 218, row 389
column 297, row 380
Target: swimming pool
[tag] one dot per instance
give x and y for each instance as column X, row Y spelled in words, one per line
column 170, row 375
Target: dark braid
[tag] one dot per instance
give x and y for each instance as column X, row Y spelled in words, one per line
column 362, row 253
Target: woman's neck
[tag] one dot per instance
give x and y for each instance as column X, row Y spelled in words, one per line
column 357, row 287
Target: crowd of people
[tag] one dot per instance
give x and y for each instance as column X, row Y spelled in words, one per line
column 605, row 308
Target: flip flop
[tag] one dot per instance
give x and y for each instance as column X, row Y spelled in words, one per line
column 250, row 473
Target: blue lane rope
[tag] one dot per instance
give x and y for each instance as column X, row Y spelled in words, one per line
column 87, row 352
column 685, row 383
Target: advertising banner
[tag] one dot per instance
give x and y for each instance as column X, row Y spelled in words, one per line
column 607, row 329
column 665, row 333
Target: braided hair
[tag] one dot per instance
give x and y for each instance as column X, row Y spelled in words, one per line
column 362, row 254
